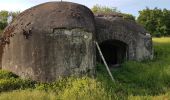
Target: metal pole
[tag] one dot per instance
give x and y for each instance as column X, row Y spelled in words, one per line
column 104, row 61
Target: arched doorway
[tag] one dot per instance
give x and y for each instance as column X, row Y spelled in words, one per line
column 114, row 52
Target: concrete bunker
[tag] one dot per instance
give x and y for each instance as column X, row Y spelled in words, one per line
column 57, row 39
column 49, row 41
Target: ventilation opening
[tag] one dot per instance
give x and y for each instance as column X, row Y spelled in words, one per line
column 114, row 52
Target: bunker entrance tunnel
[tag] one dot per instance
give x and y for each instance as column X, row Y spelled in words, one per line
column 114, row 52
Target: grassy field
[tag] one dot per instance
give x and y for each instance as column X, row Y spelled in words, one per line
column 149, row 80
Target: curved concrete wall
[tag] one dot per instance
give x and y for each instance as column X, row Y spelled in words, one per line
column 44, row 48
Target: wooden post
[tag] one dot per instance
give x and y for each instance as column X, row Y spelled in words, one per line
column 104, row 61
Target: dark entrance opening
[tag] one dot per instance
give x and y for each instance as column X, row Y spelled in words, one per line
column 114, row 52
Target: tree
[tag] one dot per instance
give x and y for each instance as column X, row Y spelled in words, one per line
column 3, row 25
column 15, row 14
column 3, row 19
column 3, row 16
column 108, row 10
column 156, row 21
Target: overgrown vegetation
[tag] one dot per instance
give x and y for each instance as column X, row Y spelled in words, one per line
column 148, row 79
column 10, row 81
column 104, row 9
column 110, row 10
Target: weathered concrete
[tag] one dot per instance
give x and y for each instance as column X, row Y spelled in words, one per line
column 112, row 27
column 49, row 41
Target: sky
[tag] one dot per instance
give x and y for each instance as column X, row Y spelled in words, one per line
column 125, row 6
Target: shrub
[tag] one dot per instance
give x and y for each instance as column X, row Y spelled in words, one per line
column 157, row 35
column 83, row 89
column 3, row 25
column 10, row 81
column 6, row 74
column 15, row 83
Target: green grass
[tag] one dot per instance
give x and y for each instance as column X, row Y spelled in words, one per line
column 28, row 95
column 69, row 88
column 146, row 80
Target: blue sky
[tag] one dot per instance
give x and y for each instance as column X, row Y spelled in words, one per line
column 126, row 6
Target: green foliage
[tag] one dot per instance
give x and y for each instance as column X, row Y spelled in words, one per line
column 54, row 86
column 6, row 74
column 3, row 25
column 10, row 81
column 72, row 87
column 156, row 21
column 104, row 9
column 165, row 96
column 76, row 88
column 4, row 17
column 129, row 17
column 83, row 89
column 109, row 10
column 13, row 84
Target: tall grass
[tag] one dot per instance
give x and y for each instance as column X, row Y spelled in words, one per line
column 146, row 78
column 149, row 79
column 71, row 88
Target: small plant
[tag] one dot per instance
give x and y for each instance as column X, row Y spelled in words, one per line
column 6, row 75
column 10, row 81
